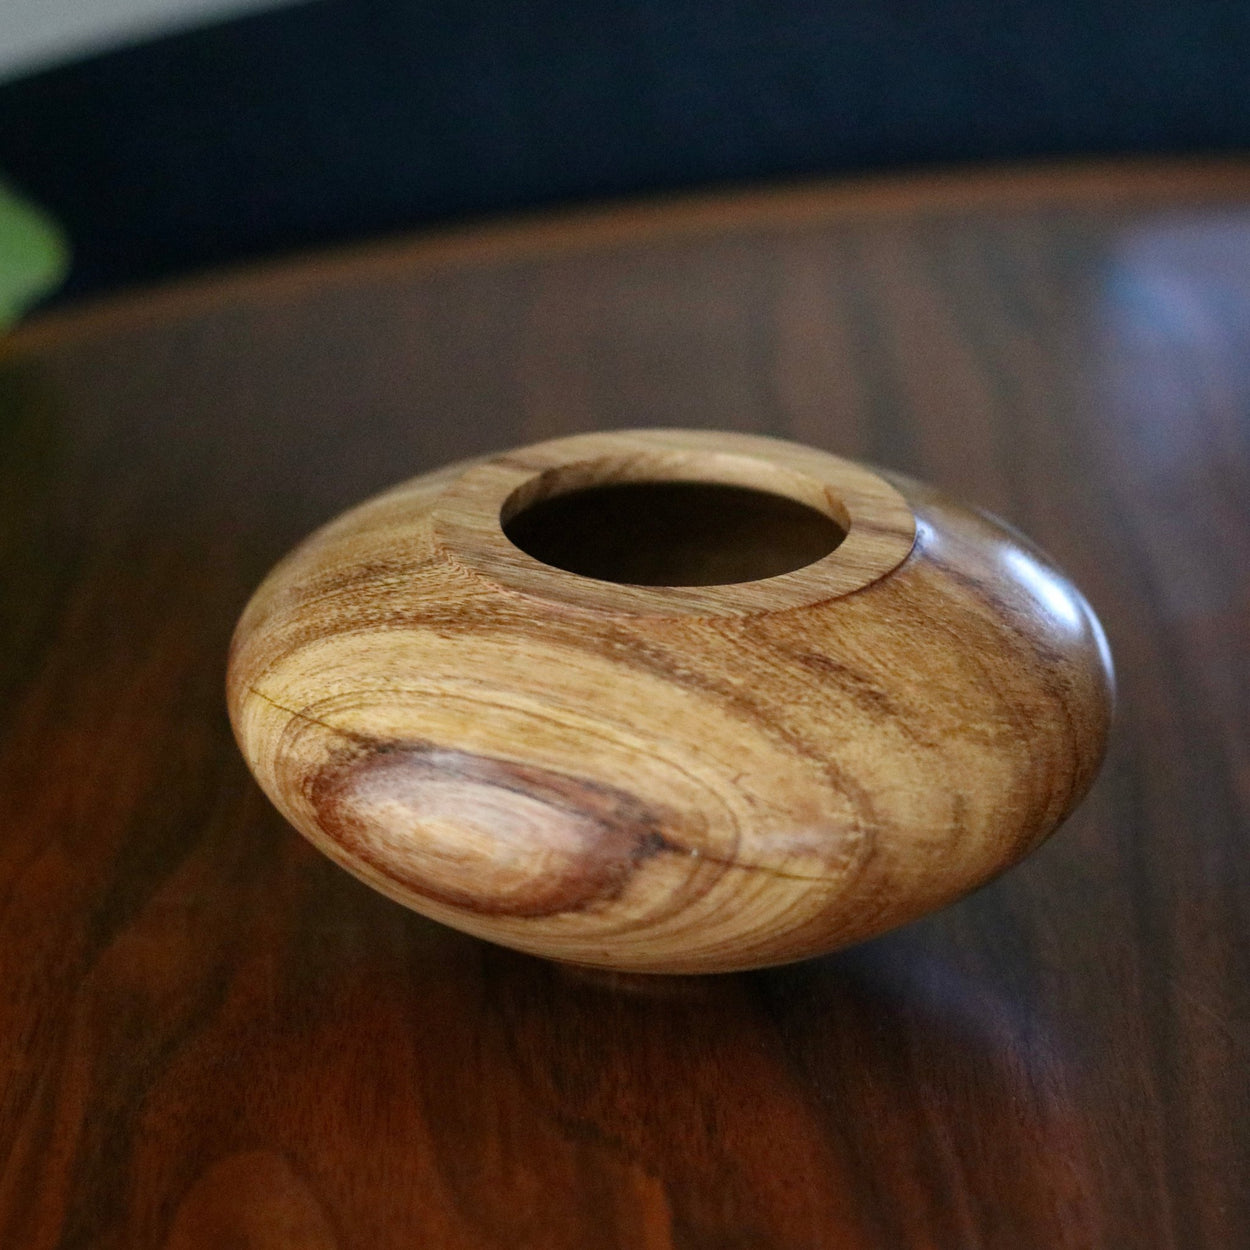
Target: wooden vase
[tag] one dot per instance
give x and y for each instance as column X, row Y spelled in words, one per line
column 670, row 700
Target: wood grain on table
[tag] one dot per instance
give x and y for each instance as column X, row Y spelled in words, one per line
column 211, row 1036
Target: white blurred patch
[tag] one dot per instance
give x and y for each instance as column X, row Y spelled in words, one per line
column 38, row 34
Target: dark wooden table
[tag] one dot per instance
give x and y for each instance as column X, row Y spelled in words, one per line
column 212, row 1037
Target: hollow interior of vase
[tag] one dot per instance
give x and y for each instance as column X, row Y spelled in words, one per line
column 673, row 533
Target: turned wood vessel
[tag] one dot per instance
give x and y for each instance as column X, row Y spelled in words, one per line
column 670, row 700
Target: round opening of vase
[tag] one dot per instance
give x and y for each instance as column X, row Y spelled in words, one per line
column 673, row 533
column 672, row 523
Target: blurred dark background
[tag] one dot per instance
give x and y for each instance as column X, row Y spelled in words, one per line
column 342, row 119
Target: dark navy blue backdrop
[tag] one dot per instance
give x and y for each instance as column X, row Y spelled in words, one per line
column 338, row 119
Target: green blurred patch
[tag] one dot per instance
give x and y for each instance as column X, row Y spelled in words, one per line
column 34, row 256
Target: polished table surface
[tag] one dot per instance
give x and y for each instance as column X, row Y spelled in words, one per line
column 210, row 1036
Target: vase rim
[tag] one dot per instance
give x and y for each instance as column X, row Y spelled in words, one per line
column 469, row 517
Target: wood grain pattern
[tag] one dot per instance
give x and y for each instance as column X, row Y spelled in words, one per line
column 684, row 778
column 209, row 1032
